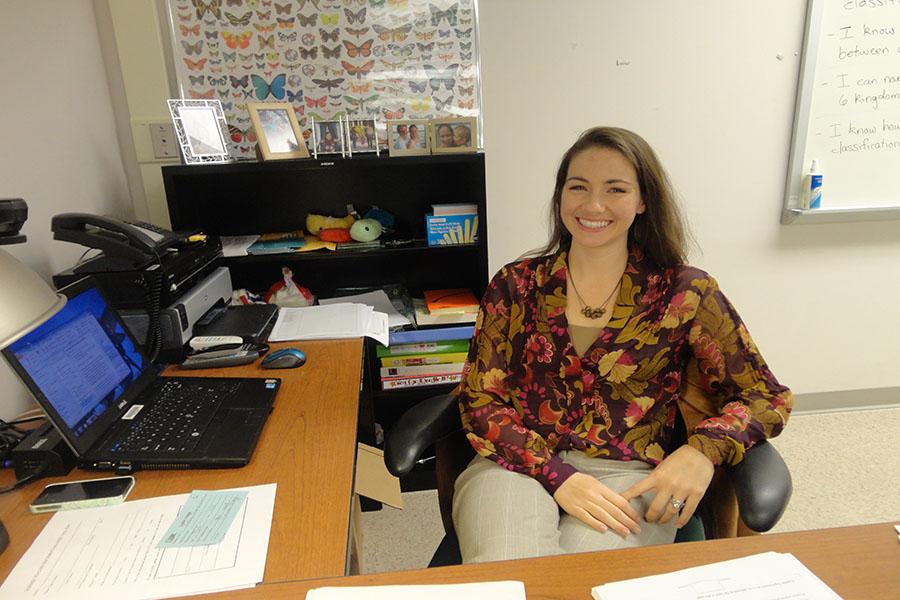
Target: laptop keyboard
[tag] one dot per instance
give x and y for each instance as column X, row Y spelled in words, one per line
column 177, row 420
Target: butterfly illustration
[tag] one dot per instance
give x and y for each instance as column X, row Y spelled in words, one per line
column 294, row 80
column 397, row 3
column 238, row 135
column 243, row 20
column 316, row 102
column 292, row 97
column 186, row 17
column 445, row 45
column 425, row 47
column 401, row 51
column 264, row 28
column 466, row 103
column 396, row 34
column 467, row 91
column 273, row 55
column 266, row 41
column 463, row 34
column 293, row 65
column 465, row 47
column 307, row 21
column 393, row 65
column 425, row 35
column 440, row 104
column 264, row 16
column 196, row 79
column 233, row 2
column 237, row 40
column 375, row 3
column 393, row 114
column 227, row 105
column 195, row 66
column 330, row 19
column 333, row 36
column 355, row 17
column 207, row 95
column 212, row 45
column 420, row 106
column 360, row 103
column 210, row 35
column 445, row 57
column 443, row 33
column 438, row 77
column 309, row 53
column 217, row 81
column 246, row 57
column 358, row 70
column 329, row 84
column 287, row 37
column 360, row 89
column 263, row 89
column 331, row 52
column 465, row 21
column 229, row 56
column 313, row 2
column 357, row 33
column 282, row 9
column 465, row 55
column 186, row 31
column 213, row 7
column 364, row 49
column 450, row 14
column 237, row 82
column 416, row 87
column 285, row 23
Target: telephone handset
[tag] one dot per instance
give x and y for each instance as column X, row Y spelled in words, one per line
column 134, row 242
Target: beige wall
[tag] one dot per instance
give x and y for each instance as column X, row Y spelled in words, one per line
column 59, row 150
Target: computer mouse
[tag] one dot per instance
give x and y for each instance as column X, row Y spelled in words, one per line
column 285, row 358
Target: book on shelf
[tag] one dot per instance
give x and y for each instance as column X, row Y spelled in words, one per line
column 442, row 210
column 412, row 382
column 434, row 334
column 451, row 301
column 461, row 345
column 423, row 317
column 421, row 370
column 412, row 360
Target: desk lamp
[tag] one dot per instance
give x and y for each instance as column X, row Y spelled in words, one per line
column 26, row 300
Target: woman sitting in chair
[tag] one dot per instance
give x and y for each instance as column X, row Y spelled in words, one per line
column 574, row 375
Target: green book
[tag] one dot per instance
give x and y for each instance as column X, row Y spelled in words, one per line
column 423, row 348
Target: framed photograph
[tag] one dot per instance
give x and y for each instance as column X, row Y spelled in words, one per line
column 454, row 135
column 328, row 137
column 407, row 137
column 277, row 129
column 201, row 129
column 361, row 136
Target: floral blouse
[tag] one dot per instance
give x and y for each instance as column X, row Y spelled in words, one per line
column 526, row 394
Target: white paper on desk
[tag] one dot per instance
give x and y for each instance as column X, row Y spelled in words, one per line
column 110, row 552
column 492, row 590
column 236, row 245
column 377, row 300
column 333, row 321
column 766, row 576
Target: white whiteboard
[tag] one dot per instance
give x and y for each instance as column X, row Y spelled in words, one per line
column 848, row 105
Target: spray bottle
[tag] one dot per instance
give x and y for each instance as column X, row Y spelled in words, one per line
column 812, row 187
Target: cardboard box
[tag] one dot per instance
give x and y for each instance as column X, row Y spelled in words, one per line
column 372, row 480
column 451, row 229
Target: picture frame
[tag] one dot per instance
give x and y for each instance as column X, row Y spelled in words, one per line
column 277, row 131
column 328, row 137
column 201, row 130
column 462, row 136
column 361, row 135
column 408, row 137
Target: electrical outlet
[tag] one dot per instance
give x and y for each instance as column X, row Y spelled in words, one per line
column 162, row 136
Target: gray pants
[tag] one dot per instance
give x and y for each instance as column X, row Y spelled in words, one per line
column 501, row 515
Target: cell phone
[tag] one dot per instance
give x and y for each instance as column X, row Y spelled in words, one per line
column 83, row 494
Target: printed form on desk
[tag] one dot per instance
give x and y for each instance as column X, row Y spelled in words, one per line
column 110, row 552
column 492, row 590
column 329, row 322
column 766, row 576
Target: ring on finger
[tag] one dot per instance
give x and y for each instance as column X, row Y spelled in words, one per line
column 677, row 504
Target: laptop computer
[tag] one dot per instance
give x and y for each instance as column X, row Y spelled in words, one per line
column 114, row 410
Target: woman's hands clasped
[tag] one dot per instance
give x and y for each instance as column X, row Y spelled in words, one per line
column 596, row 505
column 683, row 476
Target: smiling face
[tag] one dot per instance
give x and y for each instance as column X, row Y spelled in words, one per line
column 445, row 136
column 600, row 199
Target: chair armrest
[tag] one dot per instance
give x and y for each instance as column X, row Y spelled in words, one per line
column 762, row 484
column 417, row 429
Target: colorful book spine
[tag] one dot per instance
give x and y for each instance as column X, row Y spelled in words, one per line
column 423, row 348
column 437, row 334
column 411, row 382
column 421, row 370
column 412, row 360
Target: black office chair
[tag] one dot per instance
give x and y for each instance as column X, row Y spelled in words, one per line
column 741, row 500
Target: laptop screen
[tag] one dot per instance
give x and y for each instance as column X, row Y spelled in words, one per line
column 81, row 361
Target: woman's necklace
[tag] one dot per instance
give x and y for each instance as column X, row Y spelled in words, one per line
column 587, row 311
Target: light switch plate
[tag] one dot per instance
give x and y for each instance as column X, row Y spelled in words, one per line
column 162, row 136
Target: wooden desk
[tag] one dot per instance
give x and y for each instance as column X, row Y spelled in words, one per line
column 308, row 447
column 856, row 562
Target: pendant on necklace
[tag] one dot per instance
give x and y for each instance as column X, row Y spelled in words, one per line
column 593, row 313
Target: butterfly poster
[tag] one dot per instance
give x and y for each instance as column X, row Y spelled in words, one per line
column 347, row 60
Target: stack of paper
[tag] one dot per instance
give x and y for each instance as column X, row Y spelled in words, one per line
column 494, row 590
column 766, row 576
column 332, row 321
column 378, row 300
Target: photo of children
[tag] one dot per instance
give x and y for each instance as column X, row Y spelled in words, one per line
column 408, row 137
column 455, row 135
column 362, row 135
column 328, row 137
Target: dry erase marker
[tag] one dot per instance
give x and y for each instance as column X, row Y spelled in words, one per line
column 812, row 187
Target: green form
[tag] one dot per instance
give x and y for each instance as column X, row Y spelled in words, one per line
column 204, row 519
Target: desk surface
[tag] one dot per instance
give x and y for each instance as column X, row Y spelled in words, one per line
column 308, row 447
column 856, row 562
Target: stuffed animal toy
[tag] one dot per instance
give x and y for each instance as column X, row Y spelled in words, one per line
column 365, row 230
column 317, row 222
